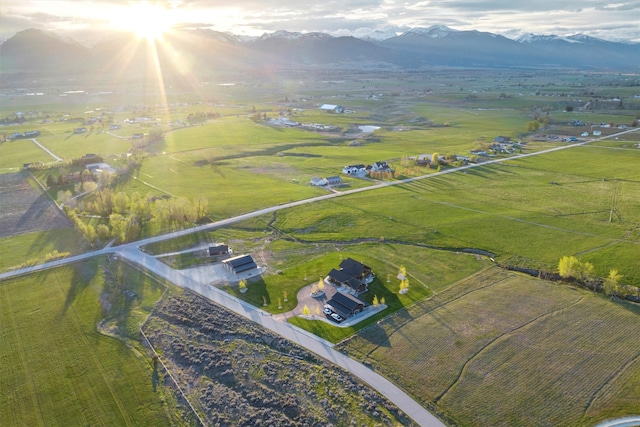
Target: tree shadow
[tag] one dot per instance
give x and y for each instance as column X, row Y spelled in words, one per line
column 83, row 274
column 42, row 214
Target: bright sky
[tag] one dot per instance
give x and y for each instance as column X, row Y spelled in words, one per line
column 609, row 20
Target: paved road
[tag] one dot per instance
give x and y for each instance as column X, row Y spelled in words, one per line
column 309, row 341
column 131, row 253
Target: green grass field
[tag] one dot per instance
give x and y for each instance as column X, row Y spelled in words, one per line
column 503, row 349
column 56, row 369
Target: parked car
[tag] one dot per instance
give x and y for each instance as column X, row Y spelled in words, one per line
column 327, row 311
column 337, row 317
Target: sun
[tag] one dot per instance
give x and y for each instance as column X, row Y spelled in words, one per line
column 145, row 20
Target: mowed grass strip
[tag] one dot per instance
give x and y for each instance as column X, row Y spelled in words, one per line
column 56, row 369
column 565, row 356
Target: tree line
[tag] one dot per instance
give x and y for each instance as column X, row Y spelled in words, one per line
column 569, row 267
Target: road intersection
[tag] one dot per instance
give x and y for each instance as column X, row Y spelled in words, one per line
column 133, row 254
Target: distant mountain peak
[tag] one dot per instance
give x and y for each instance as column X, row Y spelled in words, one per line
column 287, row 35
column 532, row 38
column 434, row 31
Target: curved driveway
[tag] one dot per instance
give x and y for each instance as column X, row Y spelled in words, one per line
column 131, row 252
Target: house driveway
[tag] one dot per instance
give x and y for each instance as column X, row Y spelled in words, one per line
column 315, row 307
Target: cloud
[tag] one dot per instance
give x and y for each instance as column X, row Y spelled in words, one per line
column 600, row 18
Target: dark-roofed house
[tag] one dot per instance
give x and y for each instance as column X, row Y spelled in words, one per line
column 352, row 274
column 334, row 180
column 339, row 278
column 346, row 305
column 240, row 264
column 218, row 250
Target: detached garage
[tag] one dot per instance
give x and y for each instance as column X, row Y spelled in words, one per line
column 240, row 264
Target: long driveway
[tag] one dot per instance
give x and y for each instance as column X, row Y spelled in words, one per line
column 132, row 253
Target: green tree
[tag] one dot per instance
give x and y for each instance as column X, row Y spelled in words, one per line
column 156, row 134
column 533, row 126
column 611, row 284
column 118, row 227
column 103, row 232
column 435, row 159
column 567, row 267
column 375, row 301
column 121, row 203
column 585, row 270
column 51, row 181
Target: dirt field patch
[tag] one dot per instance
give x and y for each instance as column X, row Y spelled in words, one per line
column 23, row 210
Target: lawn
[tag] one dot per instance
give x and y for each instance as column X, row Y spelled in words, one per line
column 297, row 265
column 57, row 369
column 571, row 355
column 539, row 208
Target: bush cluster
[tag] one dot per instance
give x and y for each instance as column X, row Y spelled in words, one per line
column 242, row 375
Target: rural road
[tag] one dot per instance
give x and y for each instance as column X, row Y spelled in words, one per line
column 303, row 338
column 131, row 252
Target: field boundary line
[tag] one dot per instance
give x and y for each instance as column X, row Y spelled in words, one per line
column 501, row 338
column 609, row 380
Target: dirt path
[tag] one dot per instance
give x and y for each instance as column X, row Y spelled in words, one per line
column 57, row 159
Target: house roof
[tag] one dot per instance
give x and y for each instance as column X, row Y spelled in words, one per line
column 347, row 300
column 352, row 267
column 345, row 304
column 345, row 278
column 218, row 249
column 241, row 263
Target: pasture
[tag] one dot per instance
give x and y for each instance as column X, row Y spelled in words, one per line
column 536, row 209
column 503, row 349
column 57, row 369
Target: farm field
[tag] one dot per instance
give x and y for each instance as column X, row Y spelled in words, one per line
column 533, row 211
column 504, row 349
column 464, row 336
column 56, row 369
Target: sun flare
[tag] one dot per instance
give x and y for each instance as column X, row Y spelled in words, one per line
column 145, row 20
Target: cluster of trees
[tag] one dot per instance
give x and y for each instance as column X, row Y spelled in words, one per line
column 571, row 267
column 128, row 215
column 195, row 118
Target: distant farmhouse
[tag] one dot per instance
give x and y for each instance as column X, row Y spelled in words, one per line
column 100, row 168
column 330, row 108
column 326, row 182
column 361, row 170
column 355, row 170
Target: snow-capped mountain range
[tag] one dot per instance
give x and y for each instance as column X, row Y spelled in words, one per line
column 36, row 51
